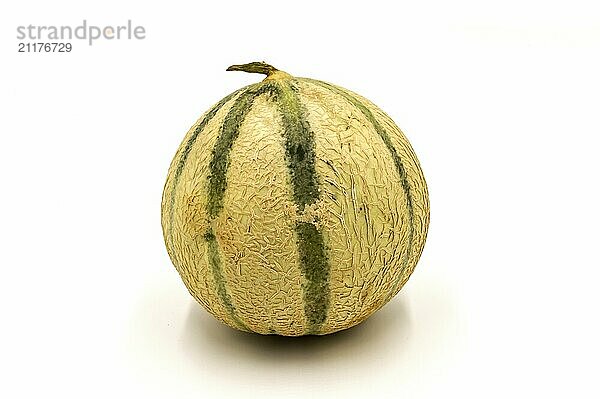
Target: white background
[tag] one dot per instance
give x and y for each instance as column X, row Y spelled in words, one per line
column 500, row 101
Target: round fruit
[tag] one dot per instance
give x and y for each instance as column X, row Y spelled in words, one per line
column 294, row 207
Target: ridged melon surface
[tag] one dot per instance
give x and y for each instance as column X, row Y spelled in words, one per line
column 294, row 207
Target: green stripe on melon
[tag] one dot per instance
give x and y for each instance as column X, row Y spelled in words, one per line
column 300, row 154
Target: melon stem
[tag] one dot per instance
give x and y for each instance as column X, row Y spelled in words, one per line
column 254, row 67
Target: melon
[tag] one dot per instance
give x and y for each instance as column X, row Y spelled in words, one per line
column 294, row 207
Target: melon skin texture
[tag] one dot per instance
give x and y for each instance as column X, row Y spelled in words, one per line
column 294, row 207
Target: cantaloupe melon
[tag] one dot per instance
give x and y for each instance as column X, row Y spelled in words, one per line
column 294, row 207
